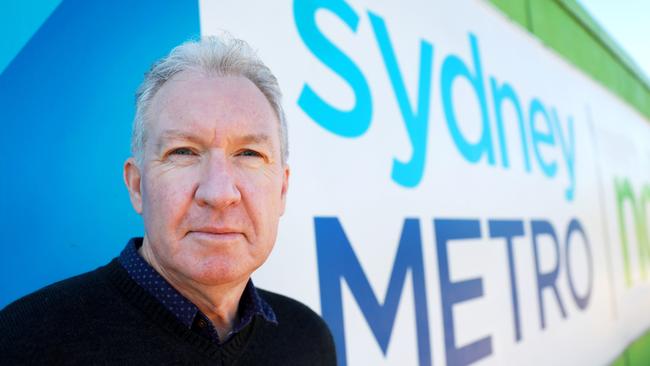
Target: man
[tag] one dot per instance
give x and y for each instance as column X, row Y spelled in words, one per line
column 209, row 176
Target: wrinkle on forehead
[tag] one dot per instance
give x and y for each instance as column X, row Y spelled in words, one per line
column 181, row 135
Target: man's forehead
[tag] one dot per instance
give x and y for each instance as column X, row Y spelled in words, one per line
column 189, row 84
column 198, row 106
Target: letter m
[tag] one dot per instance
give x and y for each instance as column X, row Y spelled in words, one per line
column 337, row 261
column 625, row 193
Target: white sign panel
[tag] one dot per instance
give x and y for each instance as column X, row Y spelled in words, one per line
column 459, row 193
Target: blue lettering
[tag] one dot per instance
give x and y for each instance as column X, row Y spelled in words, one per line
column 352, row 123
column 452, row 68
column 410, row 173
column 539, row 137
column 509, row 229
column 455, row 292
column 568, row 151
column 548, row 279
column 581, row 301
column 499, row 94
column 337, row 261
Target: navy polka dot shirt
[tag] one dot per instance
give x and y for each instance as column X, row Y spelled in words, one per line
column 186, row 312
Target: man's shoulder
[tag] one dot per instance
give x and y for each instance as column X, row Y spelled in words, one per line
column 301, row 335
column 58, row 320
column 54, row 309
column 290, row 310
column 69, row 292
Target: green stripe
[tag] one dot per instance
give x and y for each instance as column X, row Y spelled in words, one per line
column 636, row 354
column 567, row 28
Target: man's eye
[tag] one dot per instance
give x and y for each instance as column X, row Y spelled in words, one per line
column 249, row 153
column 182, row 151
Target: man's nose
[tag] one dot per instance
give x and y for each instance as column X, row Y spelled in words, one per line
column 217, row 186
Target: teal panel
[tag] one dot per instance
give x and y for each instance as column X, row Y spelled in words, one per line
column 67, row 104
column 19, row 20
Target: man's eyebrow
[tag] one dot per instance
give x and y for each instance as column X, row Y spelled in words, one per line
column 178, row 135
column 254, row 138
column 173, row 134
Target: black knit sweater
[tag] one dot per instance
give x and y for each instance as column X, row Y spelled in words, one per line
column 104, row 317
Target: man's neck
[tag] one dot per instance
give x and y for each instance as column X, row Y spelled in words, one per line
column 219, row 303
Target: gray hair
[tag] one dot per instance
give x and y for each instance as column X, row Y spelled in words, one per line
column 223, row 56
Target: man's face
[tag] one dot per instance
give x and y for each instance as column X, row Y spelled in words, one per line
column 212, row 183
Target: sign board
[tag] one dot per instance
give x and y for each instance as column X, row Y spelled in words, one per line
column 459, row 192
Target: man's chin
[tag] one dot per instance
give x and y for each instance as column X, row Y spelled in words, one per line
column 217, row 272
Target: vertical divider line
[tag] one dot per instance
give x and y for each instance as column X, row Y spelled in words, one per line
column 603, row 213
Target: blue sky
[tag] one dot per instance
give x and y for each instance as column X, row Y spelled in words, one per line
column 628, row 23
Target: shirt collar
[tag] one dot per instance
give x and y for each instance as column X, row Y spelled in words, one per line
column 143, row 274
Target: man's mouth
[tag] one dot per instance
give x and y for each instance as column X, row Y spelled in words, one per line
column 216, row 233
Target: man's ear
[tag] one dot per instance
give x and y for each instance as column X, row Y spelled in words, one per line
column 132, row 179
column 285, row 187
